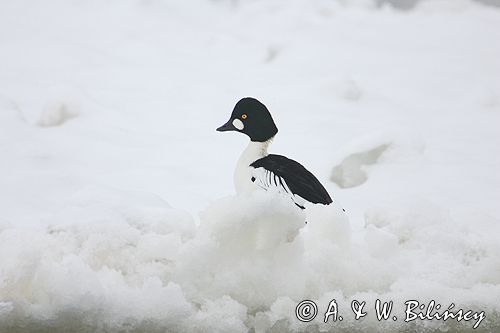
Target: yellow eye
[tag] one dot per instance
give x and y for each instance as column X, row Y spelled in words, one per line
column 244, row 116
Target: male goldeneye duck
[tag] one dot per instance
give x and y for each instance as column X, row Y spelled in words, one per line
column 258, row 169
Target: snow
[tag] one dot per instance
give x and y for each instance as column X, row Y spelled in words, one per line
column 118, row 211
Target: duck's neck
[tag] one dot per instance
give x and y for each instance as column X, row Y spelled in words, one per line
column 253, row 152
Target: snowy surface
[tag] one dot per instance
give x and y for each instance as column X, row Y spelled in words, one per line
column 117, row 205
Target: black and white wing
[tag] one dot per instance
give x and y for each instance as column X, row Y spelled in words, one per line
column 286, row 176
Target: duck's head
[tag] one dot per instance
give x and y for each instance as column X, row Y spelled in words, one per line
column 252, row 118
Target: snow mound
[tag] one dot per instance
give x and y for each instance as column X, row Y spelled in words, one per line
column 57, row 112
column 114, row 260
column 247, row 248
column 94, row 264
column 48, row 105
column 351, row 171
column 104, row 262
column 346, row 89
column 360, row 156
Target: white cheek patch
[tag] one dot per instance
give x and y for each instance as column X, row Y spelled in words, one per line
column 238, row 124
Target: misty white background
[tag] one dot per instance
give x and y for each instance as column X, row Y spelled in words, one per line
column 117, row 208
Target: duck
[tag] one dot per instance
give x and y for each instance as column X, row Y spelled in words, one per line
column 256, row 169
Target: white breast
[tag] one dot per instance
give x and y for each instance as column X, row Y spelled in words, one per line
column 243, row 173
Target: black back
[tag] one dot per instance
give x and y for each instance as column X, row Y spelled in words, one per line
column 299, row 180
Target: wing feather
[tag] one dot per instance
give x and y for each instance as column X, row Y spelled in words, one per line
column 298, row 179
